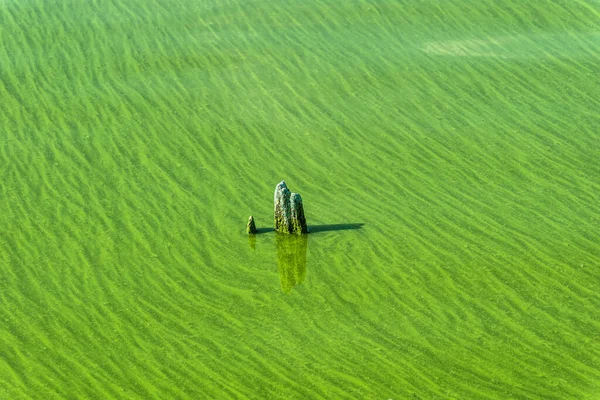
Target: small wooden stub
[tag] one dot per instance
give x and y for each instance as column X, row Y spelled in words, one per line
column 251, row 227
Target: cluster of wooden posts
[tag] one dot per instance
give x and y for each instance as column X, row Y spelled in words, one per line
column 288, row 213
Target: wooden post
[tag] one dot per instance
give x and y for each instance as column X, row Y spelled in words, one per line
column 288, row 211
column 251, row 227
column 297, row 211
column 282, row 208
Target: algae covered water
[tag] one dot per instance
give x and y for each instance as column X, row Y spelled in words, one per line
column 448, row 158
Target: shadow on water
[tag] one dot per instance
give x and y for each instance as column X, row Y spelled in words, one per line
column 333, row 227
column 320, row 228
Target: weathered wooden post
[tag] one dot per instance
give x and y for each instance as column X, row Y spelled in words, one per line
column 282, row 208
column 297, row 211
column 251, row 227
column 288, row 211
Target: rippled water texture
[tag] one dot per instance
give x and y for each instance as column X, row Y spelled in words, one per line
column 448, row 158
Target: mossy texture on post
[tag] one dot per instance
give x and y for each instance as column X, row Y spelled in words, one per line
column 298, row 219
column 282, row 208
column 289, row 211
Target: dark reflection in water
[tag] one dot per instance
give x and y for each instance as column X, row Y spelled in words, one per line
column 291, row 259
column 252, row 241
column 264, row 230
column 291, row 251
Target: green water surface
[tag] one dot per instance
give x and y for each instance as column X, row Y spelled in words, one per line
column 447, row 153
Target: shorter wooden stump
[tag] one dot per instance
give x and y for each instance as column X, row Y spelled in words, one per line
column 251, row 227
